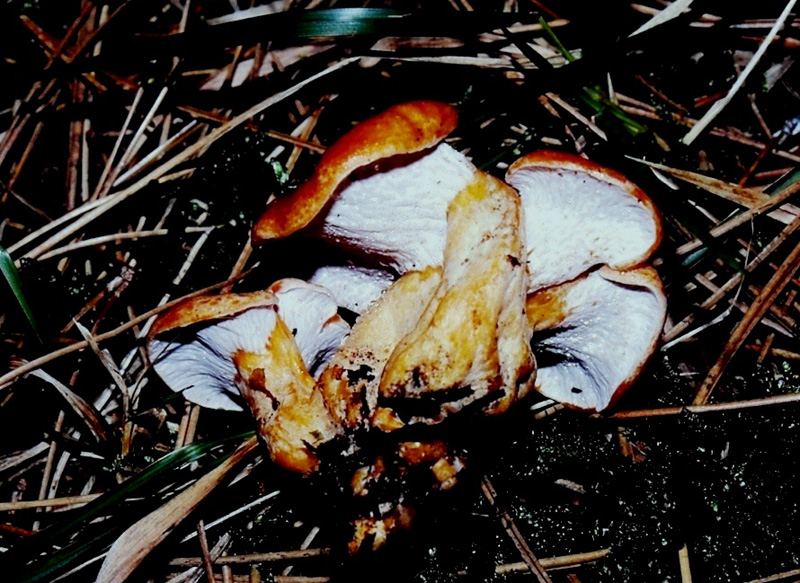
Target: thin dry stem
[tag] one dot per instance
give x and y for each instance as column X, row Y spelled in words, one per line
column 779, row 352
column 717, row 108
column 206, row 555
column 101, row 184
column 777, row 577
column 254, row 558
column 740, row 219
column 756, row 311
column 554, row 562
column 48, row 503
column 24, row 158
column 577, row 115
column 711, row 408
column 516, row 536
column 38, row 362
column 683, row 560
column 111, row 201
column 102, row 240
column 734, row 281
column 158, row 152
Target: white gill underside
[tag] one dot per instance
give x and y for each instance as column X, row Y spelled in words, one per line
column 575, row 221
column 202, row 368
column 606, row 336
column 354, row 288
column 310, row 313
column 201, row 360
column 401, row 214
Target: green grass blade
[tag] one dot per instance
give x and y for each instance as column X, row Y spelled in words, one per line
column 597, row 100
column 12, row 277
column 289, row 27
column 784, row 182
column 554, row 38
column 26, row 564
column 339, row 22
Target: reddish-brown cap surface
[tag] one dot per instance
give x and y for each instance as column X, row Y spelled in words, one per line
column 206, row 308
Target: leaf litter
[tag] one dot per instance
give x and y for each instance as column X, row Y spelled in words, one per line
column 103, row 144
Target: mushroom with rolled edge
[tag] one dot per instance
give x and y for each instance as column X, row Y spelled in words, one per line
column 383, row 194
column 257, row 349
column 580, row 214
column 392, row 163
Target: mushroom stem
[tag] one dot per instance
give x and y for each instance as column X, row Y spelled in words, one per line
column 278, row 389
column 351, row 380
column 471, row 341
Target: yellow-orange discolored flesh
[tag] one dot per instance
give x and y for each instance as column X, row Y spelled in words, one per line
column 473, row 334
column 351, row 379
column 280, row 392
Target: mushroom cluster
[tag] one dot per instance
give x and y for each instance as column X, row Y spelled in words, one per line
column 470, row 292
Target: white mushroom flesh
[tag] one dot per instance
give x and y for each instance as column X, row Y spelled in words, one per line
column 202, row 368
column 198, row 363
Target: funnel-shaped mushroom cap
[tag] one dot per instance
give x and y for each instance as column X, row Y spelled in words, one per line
column 472, row 340
column 580, row 214
column 350, row 381
column 240, row 347
column 354, row 288
column 198, row 362
column 402, row 130
column 593, row 336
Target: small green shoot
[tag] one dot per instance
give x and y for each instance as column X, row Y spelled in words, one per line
column 11, row 275
column 281, row 175
column 597, row 100
column 554, row 38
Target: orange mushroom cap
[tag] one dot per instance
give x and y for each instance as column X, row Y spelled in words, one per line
column 402, row 129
